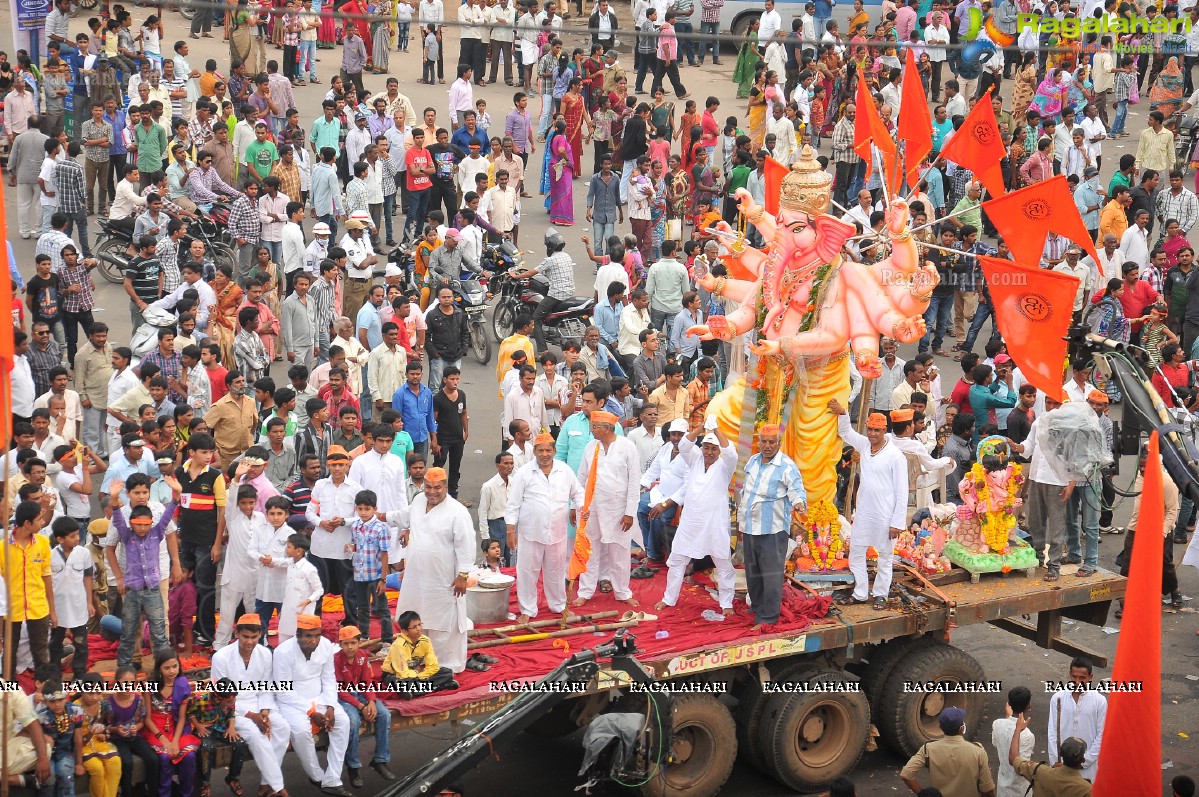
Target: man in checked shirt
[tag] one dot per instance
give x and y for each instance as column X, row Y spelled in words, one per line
column 205, row 186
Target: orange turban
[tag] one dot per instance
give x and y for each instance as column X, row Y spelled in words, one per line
column 249, row 620
column 435, row 475
column 543, row 438
column 901, row 416
column 770, row 429
column 876, row 421
column 308, row 622
column 348, row 632
column 1098, row 396
column 599, row 416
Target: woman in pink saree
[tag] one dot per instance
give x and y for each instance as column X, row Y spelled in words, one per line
column 559, row 173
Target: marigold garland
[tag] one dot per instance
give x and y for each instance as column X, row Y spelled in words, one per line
column 824, row 514
column 996, row 525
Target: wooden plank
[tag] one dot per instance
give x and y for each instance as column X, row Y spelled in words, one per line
column 1026, row 631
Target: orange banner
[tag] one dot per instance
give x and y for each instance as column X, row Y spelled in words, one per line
column 976, row 146
column 6, row 295
column 1025, row 218
column 774, row 174
column 1134, row 717
column 915, row 122
column 1033, row 309
column 582, row 550
column 869, row 129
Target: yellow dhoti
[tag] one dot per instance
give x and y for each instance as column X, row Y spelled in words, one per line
column 810, row 436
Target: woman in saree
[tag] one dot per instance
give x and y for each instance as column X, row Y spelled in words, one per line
column 689, row 119
column 268, row 321
column 1081, row 90
column 858, row 21
column 1051, row 94
column 380, row 26
column 756, row 111
column 661, row 113
column 1106, row 317
column 657, row 208
column 744, row 73
column 1166, row 93
column 239, row 35
column 359, row 12
column 703, row 180
column 618, row 101
column 593, row 77
column 574, row 111
column 222, row 322
column 678, row 187
column 556, row 179
column 1173, row 239
column 167, row 729
column 1025, row 85
column 326, row 34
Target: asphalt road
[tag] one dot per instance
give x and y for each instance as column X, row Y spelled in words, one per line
column 551, row 766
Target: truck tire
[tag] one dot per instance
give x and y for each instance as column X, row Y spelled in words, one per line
column 908, row 719
column 703, row 751
column 748, row 714
column 811, row 738
column 882, row 663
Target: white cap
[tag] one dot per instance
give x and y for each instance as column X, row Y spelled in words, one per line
column 710, row 438
column 392, row 270
column 320, row 228
column 678, row 425
column 362, row 216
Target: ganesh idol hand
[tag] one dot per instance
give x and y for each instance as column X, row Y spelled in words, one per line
column 897, row 217
column 766, row 348
column 746, row 203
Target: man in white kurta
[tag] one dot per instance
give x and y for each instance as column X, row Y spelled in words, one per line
column 440, row 549
column 239, row 573
column 330, row 512
column 250, row 666
column 903, row 435
column 383, row 472
column 704, row 525
column 613, row 507
column 882, row 503
column 539, row 498
column 1080, row 712
column 306, row 660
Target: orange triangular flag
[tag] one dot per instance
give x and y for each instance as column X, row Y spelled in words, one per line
column 1033, row 312
column 1025, row 218
column 869, row 129
column 976, row 146
column 915, row 122
column 581, row 553
column 775, row 172
column 6, row 296
column 1134, row 718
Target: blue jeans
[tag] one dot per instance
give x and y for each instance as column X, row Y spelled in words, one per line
column 264, row 610
column 709, row 29
column 1185, row 507
column 1082, row 523
column 80, row 220
column 985, row 310
column 331, row 220
column 497, row 529
column 600, row 230
column 436, row 368
column 688, row 47
column 276, row 248
column 821, row 23
column 307, row 59
column 626, row 171
column 547, row 114
column 140, row 602
column 404, row 26
column 1118, row 122
column 389, row 207
column 418, row 206
column 62, row 776
column 653, row 530
column 937, row 318
column 382, row 733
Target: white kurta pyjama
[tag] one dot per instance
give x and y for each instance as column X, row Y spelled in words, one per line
column 303, row 584
column 384, row 474
column 617, row 493
column 441, row 544
column 1083, row 718
column 539, row 508
column 882, row 506
column 272, row 579
column 314, row 687
column 704, row 523
column 268, row 752
column 239, row 574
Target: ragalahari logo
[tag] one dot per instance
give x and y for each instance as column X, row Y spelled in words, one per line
column 977, row 51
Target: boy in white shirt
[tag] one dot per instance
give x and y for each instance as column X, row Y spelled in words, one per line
column 304, row 589
column 239, row 577
column 269, row 547
column 71, row 571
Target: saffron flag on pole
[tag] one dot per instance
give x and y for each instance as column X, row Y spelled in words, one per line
column 1033, row 309
column 868, row 129
column 1134, row 718
column 775, row 172
column 915, row 123
column 6, row 297
column 1025, row 218
column 582, row 550
column 977, row 146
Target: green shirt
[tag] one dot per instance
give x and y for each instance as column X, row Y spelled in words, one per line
column 261, row 157
column 326, row 134
column 401, row 446
column 151, row 147
column 738, row 178
column 289, row 428
column 1118, row 179
column 973, row 212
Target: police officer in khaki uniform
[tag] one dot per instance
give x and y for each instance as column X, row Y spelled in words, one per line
column 1050, row 781
column 955, row 766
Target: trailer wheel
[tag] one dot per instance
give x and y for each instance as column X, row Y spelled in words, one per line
column 811, row 738
column 908, row 719
column 702, row 753
column 749, row 712
column 882, row 663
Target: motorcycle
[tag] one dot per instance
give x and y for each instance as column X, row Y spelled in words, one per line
column 522, row 295
column 470, row 294
column 113, row 242
column 404, row 259
column 145, row 338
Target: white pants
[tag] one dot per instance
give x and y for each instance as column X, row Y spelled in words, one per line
column 231, row 594
column 29, row 214
column 93, row 431
column 268, row 753
column 450, row 647
column 305, row 746
column 726, row 579
column 548, row 561
column 857, row 566
column 610, row 561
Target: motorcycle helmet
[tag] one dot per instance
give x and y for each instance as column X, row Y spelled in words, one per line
column 553, row 241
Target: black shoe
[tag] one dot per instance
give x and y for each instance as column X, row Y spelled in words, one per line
column 383, row 771
column 335, row 791
column 355, row 777
column 452, row 685
column 1176, row 600
column 1180, row 539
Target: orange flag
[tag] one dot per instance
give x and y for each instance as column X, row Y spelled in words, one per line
column 582, row 550
column 1025, row 218
column 915, row 123
column 774, row 174
column 1033, row 311
column 976, row 146
column 6, row 297
column 869, row 129
column 1134, row 718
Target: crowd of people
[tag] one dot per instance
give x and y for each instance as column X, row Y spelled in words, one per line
column 188, row 480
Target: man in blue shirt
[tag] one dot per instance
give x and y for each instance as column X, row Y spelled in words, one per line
column 369, row 323
column 414, row 401
column 470, row 131
column 607, row 314
column 133, row 458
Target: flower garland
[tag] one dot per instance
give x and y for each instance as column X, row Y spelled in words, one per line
column 996, row 525
column 824, row 515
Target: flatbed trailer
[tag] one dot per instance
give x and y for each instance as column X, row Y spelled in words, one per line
column 845, row 679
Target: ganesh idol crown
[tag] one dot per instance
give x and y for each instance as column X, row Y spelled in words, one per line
column 807, row 306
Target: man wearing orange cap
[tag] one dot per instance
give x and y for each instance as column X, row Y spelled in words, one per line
column 265, row 731
column 331, row 511
column 613, row 508
column 537, row 517
column 440, row 544
column 306, row 661
column 903, row 435
column 882, row 508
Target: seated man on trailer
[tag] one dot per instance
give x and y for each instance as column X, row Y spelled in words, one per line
column 411, row 667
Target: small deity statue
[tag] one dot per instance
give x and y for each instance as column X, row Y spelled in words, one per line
column 987, row 517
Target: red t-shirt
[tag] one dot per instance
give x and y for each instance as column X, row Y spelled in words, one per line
column 18, row 313
column 216, row 381
column 711, row 130
column 416, row 159
column 961, row 396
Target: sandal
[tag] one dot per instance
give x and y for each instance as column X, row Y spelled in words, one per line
column 643, row 571
column 483, row 657
column 234, row 786
column 605, row 587
column 475, row 665
column 941, row 353
column 879, row 604
column 850, row 600
column 1052, row 575
column 1085, row 571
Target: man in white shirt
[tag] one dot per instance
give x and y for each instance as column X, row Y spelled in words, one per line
column 786, row 147
column 1134, row 245
column 1072, row 266
column 1110, row 260
column 1008, row 783
column 293, row 246
column 382, row 471
column 1079, row 712
column 537, row 515
column 330, row 512
column 192, row 273
column 493, row 504
column 769, row 24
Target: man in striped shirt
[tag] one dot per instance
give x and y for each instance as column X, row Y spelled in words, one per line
column 773, row 488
